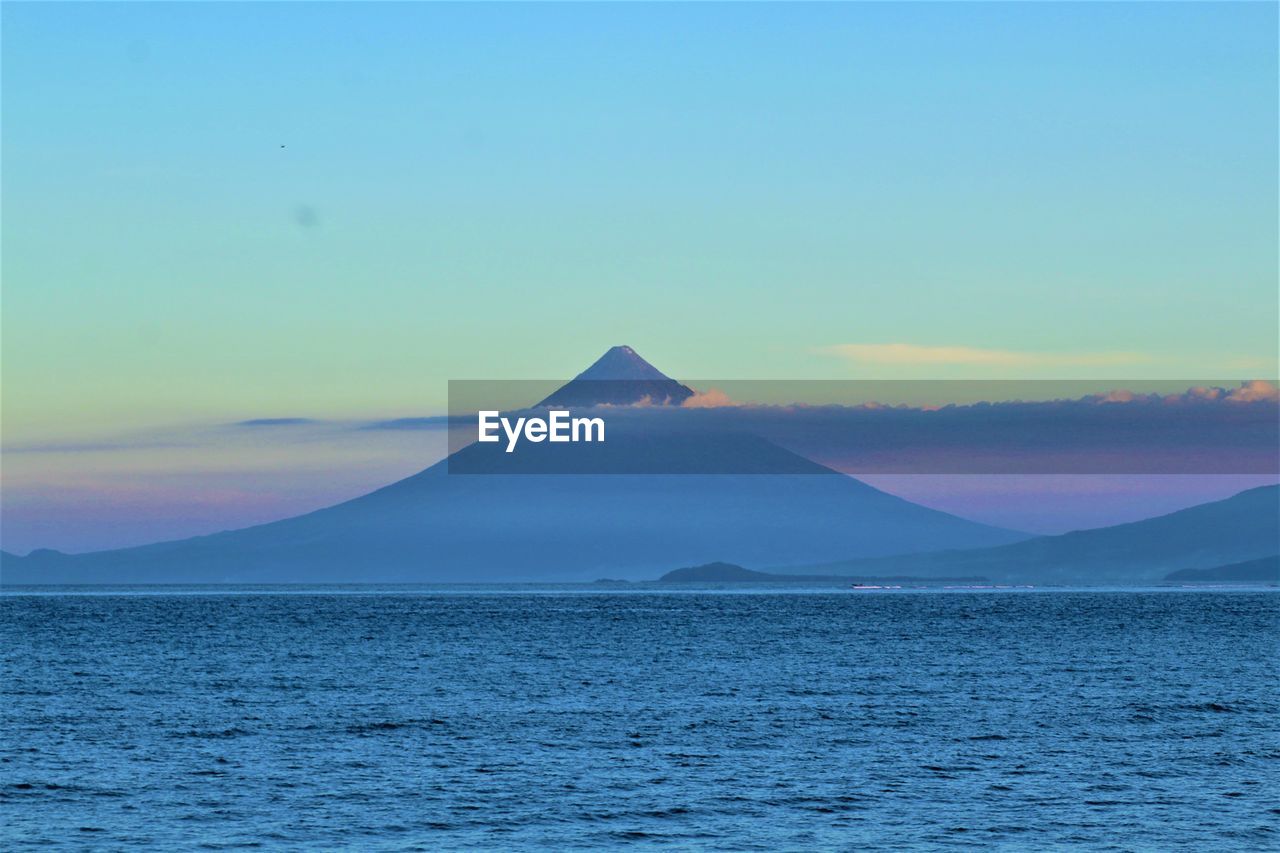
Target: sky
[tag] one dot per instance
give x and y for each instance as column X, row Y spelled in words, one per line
column 222, row 212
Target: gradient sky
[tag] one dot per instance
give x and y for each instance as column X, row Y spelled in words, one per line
column 214, row 212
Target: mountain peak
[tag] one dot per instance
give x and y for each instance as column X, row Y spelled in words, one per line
column 620, row 377
column 622, row 363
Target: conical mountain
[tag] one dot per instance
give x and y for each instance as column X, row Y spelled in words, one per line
column 667, row 502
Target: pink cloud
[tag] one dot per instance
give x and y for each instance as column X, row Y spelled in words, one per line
column 709, row 399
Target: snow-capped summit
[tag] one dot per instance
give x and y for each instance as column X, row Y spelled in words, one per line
column 620, row 377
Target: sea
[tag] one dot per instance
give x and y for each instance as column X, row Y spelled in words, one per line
column 726, row 718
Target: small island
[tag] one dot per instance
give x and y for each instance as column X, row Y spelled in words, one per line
column 727, row 573
column 720, row 572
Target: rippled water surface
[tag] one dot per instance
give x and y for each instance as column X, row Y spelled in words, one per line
column 745, row 721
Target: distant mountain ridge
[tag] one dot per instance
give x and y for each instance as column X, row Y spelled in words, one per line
column 1245, row 526
column 1261, row 570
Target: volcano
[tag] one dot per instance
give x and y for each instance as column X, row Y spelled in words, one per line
column 524, row 519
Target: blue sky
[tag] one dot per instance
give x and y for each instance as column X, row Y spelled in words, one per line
column 756, row 191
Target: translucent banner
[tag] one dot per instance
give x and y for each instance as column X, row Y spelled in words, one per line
column 660, row 426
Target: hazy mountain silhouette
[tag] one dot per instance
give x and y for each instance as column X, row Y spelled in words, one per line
column 620, row 377
column 1243, row 527
column 1261, row 570
column 670, row 506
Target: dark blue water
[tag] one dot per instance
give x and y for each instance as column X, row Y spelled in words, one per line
column 1117, row 720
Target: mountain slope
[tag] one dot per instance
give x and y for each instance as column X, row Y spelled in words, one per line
column 1243, row 527
column 436, row 526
